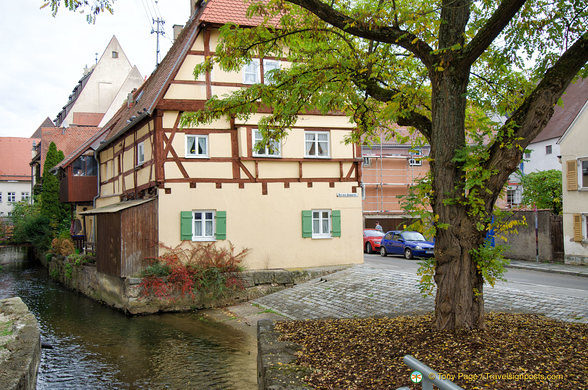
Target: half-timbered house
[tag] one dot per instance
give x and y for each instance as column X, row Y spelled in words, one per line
column 294, row 204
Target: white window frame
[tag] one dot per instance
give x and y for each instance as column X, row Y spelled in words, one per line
column 269, row 65
column 548, row 149
column 0, row 197
column 316, row 144
column 581, row 186
column 202, row 222
column 251, row 72
column 25, row 196
column 11, row 197
column 319, row 217
column 140, row 154
column 257, row 137
column 196, row 138
column 516, row 196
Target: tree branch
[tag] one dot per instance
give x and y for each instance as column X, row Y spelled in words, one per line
column 385, row 34
column 488, row 33
column 533, row 115
column 412, row 118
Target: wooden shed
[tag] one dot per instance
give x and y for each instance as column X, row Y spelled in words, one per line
column 126, row 235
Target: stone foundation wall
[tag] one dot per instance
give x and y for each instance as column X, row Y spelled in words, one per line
column 20, row 346
column 10, row 254
column 125, row 293
column 276, row 360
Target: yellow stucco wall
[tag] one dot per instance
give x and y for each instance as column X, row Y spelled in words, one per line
column 573, row 147
column 270, row 224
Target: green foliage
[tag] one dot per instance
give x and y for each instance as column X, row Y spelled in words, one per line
column 156, row 268
column 6, row 328
column 54, row 274
column 490, row 262
column 543, row 190
column 51, row 207
column 427, row 273
column 78, row 259
column 68, row 270
column 92, row 8
column 31, row 226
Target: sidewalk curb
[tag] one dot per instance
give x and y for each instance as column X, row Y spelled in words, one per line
column 548, row 270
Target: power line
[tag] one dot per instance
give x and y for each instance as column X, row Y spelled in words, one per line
column 159, row 31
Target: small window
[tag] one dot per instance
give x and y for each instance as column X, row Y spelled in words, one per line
column 25, row 196
column 140, row 153
column 196, row 146
column 271, row 149
column 367, row 162
column 321, row 223
column 415, row 158
column 0, row 197
column 513, row 197
column 269, row 65
column 11, row 197
column 203, row 225
column 251, row 72
column 548, row 149
column 527, row 154
column 114, row 54
column 316, row 144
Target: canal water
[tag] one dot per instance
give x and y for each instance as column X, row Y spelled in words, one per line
column 96, row 347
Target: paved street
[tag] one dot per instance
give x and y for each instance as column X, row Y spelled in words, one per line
column 389, row 288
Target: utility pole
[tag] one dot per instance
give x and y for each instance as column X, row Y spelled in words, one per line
column 159, row 31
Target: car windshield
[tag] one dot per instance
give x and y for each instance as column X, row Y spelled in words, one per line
column 373, row 233
column 413, row 236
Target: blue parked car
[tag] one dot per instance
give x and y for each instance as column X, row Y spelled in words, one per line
column 407, row 243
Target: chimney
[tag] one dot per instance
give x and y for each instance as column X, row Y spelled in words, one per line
column 177, row 30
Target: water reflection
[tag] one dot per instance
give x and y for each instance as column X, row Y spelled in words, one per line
column 96, row 347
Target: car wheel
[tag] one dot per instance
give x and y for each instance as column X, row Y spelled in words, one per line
column 368, row 248
column 407, row 254
column 383, row 252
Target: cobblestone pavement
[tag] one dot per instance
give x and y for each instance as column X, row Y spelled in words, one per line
column 372, row 291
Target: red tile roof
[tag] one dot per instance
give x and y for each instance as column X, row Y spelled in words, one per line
column 229, row 11
column 15, row 156
column 66, row 139
column 91, row 143
column 574, row 99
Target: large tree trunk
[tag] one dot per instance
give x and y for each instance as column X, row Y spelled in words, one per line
column 459, row 302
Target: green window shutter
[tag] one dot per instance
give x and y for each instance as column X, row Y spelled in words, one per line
column 306, row 223
column 221, row 225
column 186, row 225
column 336, row 223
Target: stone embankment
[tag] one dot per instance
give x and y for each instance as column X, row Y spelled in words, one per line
column 125, row 293
column 20, row 346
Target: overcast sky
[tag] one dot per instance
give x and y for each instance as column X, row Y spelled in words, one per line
column 43, row 57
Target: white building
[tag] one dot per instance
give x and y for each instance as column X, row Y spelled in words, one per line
column 15, row 171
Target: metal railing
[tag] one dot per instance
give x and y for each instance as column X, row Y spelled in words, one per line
column 428, row 376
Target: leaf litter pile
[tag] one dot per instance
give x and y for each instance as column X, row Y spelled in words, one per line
column 515, row 351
